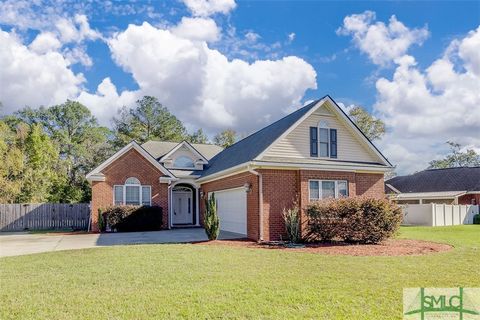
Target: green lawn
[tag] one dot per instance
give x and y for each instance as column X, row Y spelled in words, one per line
column 193, row 281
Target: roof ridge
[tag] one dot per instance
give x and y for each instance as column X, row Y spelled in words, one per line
column 435, row 169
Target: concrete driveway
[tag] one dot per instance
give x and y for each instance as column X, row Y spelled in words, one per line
column 15, row 244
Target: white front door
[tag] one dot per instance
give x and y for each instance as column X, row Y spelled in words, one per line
column 182, row 208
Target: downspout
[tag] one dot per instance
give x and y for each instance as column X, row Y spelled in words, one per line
column 169, row 204
column 260, row 200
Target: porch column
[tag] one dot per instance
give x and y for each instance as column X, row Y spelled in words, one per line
column 197, row 207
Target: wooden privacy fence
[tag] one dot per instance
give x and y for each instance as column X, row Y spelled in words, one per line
column 438, row 214
column 41, row 216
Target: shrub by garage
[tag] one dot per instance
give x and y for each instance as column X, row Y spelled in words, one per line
column 355, row 220
column 133, row 218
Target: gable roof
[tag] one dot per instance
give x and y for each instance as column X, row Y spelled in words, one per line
column 438, row 180
column 96, row 174
column 250, row 147
column 187, row 146
column 255, row 144
column 159, row 149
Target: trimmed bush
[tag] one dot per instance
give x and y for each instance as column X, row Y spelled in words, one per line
column 101, row 221
column 476, row 219
column 291, row 218
column 211, row 220
column 357, row 220
column 134, row 218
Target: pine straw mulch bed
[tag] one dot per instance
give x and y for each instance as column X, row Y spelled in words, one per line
column 392, row 247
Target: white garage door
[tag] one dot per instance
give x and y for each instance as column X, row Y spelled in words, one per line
column 232, row 210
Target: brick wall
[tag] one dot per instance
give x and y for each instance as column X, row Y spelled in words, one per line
column 131, row 164
column 469, row 199
column 252, row 198
column 370, row 185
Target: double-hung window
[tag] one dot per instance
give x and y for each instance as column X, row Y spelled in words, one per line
column 323, row 142
column 324, row 189
column 132, row 193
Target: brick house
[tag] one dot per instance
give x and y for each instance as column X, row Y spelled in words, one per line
column 313, row 153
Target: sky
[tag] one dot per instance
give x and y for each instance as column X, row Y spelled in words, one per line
column 222, row 64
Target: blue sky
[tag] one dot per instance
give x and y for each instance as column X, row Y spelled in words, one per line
column 413, row 64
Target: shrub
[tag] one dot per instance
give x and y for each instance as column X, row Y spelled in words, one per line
column 359, row 220
column 101, row 221
column 211, row 221
column 291, row 218
column 134, row 218
column 476, row 219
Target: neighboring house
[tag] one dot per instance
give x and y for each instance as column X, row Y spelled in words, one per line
column 313, row 153
column 449, row 186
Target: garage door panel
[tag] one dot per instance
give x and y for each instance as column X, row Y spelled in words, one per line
column 232, row 210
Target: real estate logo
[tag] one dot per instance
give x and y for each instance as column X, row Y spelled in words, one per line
column 441, row 303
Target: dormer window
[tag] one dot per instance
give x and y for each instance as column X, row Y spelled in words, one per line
column 323, row 141
column 183, row 162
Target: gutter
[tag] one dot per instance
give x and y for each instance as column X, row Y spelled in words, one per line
column 260, row 200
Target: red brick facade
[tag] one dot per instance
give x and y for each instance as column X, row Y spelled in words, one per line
column 470, row 199
column 131, row 164
column 280, row 189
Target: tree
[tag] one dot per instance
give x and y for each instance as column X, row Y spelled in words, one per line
column 225, row 138
column 456, row 158
column 150, row 120
column 198, row 137
column 372, row 127
column 12, row 159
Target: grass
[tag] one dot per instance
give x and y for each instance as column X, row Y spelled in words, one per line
column 194, row 281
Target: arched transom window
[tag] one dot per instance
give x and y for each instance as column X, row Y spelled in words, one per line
column 132, row 193
column 183, row 162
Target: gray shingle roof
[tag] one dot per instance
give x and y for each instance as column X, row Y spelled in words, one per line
column 250, row 147
column 160, row 148
column 437, row 180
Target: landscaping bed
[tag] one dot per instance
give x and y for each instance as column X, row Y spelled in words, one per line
column 393, row 247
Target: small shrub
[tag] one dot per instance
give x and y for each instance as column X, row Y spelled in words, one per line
column 134, row 218
column 211, row 220
column 291, row 218
column 101, row 221
column 476, row 219
column 359, row 220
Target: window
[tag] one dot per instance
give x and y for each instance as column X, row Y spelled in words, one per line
column 323, row 141
column 183, row 162
column 324, row 189
column 132, row 193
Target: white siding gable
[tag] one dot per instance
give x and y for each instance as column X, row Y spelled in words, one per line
column 183, row 151
column 296, row 144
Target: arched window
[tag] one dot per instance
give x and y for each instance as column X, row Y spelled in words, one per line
column 132, row 193
column 183, row 162
column 323, row 141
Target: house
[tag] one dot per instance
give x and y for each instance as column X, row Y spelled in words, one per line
column 313, row 153
column 448, row 186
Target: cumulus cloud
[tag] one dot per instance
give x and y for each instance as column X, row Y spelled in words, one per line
column 76, row 29
column 425, row 108
column 205, row 8
column 199, row 29
column 28, row 77
column 382, row 42
column 44, row 42
column 202, row 86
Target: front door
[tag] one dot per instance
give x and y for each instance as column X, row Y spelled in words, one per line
column 182, row 208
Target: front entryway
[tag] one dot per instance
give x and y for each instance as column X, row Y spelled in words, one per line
column 183, row 212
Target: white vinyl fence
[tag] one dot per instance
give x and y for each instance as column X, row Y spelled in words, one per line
column 438, row 214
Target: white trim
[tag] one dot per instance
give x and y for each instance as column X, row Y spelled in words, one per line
column 97, row 177
column 189, row 146
column 132, row 145
column 336, row 195
column 124, row 194
column 348, row 166
column 393, row 188
column 291, row 128
column 225, row 173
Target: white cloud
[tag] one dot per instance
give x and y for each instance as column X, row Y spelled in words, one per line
column 198, row 29
column 425, row 108
column 31, row 78
column 381, row 42
column 205, row 8
column 201, row 86
column 106, row 102
column 76, row 29
column 291, row 37
column 45, row 42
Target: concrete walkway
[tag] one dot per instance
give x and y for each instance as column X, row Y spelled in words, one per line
column 15, row 244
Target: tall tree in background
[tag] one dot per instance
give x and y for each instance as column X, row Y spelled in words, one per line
column 456, row 158
column 225, row 138
column 150, row 120
column 81, row 142
column 198, row 137
column 372, row 127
